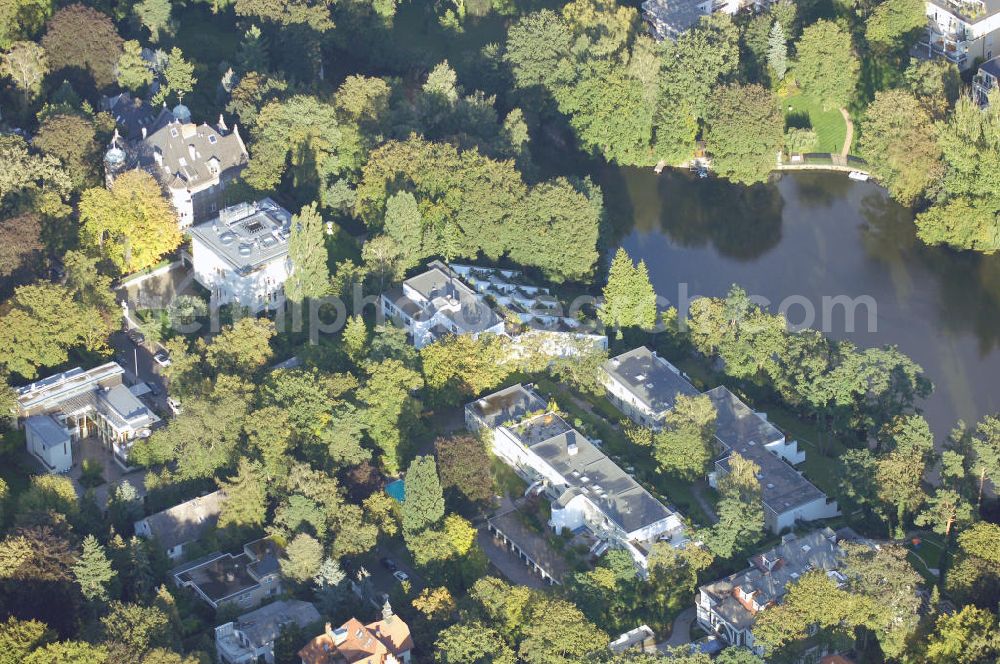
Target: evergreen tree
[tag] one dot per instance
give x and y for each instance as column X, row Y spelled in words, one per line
column 303, row 558
column 178, row 77
column 329, row 581
column 310, row 276
column 93, row 570
column 777, row 51
column 246, row 496
column 424, row 503
column 629, row 298
column 355, row 338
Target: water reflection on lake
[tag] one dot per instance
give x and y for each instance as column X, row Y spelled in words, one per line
column 813, row 235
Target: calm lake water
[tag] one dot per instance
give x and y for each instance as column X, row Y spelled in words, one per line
column 813, row 235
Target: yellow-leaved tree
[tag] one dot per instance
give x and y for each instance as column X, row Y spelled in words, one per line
column 132, row 224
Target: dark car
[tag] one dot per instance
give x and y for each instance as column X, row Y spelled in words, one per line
column 136, row 336
column 389, row 564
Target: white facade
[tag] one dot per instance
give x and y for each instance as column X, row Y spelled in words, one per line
column 250, row 638
column 963, row 32
column 242, row 256
column 545, row 451
column 50, row 442
column 76, row 404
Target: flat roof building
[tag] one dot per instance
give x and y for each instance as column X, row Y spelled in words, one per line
column 61, row 409
column 243, row 580
column 241, row 256
column 787, row 495
column 250, row 638
column 587, row 489
column 644, row 385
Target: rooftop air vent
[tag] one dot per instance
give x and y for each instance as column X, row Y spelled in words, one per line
column 245, row 249
column 227, row 238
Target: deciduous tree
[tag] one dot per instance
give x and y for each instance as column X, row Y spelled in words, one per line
column 78, row 37
column 132, row 223
column 827, row 67
column 745, row 132
column 684, row 447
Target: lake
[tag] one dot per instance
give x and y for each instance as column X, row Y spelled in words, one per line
column 813, row 235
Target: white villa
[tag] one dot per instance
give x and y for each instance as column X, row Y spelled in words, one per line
column 588, row 491
column 728, row 607
column 540, row 312
column 64, row 408
column 241, row 256
column 250, row 638
column 963, row 31
column 645, row 386
column 668, row 19
column 465, row 299
column 194, row 163
column 437, row 303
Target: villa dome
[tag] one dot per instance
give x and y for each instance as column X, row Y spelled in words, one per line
column 115, row 156
column 182, row 113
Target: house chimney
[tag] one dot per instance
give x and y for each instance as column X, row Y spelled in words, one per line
column 222, row 124
column 144, row 133
column 571, row 447
column 191, row 152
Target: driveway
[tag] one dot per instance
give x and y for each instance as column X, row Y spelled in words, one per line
column 681, row 632
column 510, row 566
column 137, row 360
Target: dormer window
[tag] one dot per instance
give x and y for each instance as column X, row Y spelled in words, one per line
column 173, row 132
column 212, row 139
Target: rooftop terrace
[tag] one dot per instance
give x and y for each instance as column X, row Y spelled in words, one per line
column 247, row 235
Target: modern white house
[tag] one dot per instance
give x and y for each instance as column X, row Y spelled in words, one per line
column 59, row 410
column 728, row 607
column 546, row 326
column 180, row 525
column 241, row 256
column 787, row 495
column 587, row 490
column 466, row 299
column 250, row 638
column 962, row 31
column 195, row 164
column 437, row 303
column 645, row 387
column 668, row 19
column 244, row 580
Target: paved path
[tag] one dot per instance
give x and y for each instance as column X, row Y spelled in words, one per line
column 849, row 138
column 681, row 632
column 706, row 506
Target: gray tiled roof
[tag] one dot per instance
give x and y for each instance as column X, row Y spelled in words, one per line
column 263, row 625
column 793, row 558
column 187, row 152
column 592, row 473
column 131, row 114
column 509, row 404
column 670, row 18
column 186, row 522
column 653, row 380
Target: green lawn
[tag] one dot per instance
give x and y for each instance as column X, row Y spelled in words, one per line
column 807, row 112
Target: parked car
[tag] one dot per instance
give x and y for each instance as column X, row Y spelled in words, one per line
column 137, row 336
column 174, row 406
column 161, row 358
column 401, row 576
column 389, row 564
column 155, row 390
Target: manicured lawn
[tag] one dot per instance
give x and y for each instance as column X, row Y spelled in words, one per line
column 807, row 112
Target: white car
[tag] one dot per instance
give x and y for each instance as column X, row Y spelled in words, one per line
column 174, row 405
column 162, row 358
column 401, row 576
